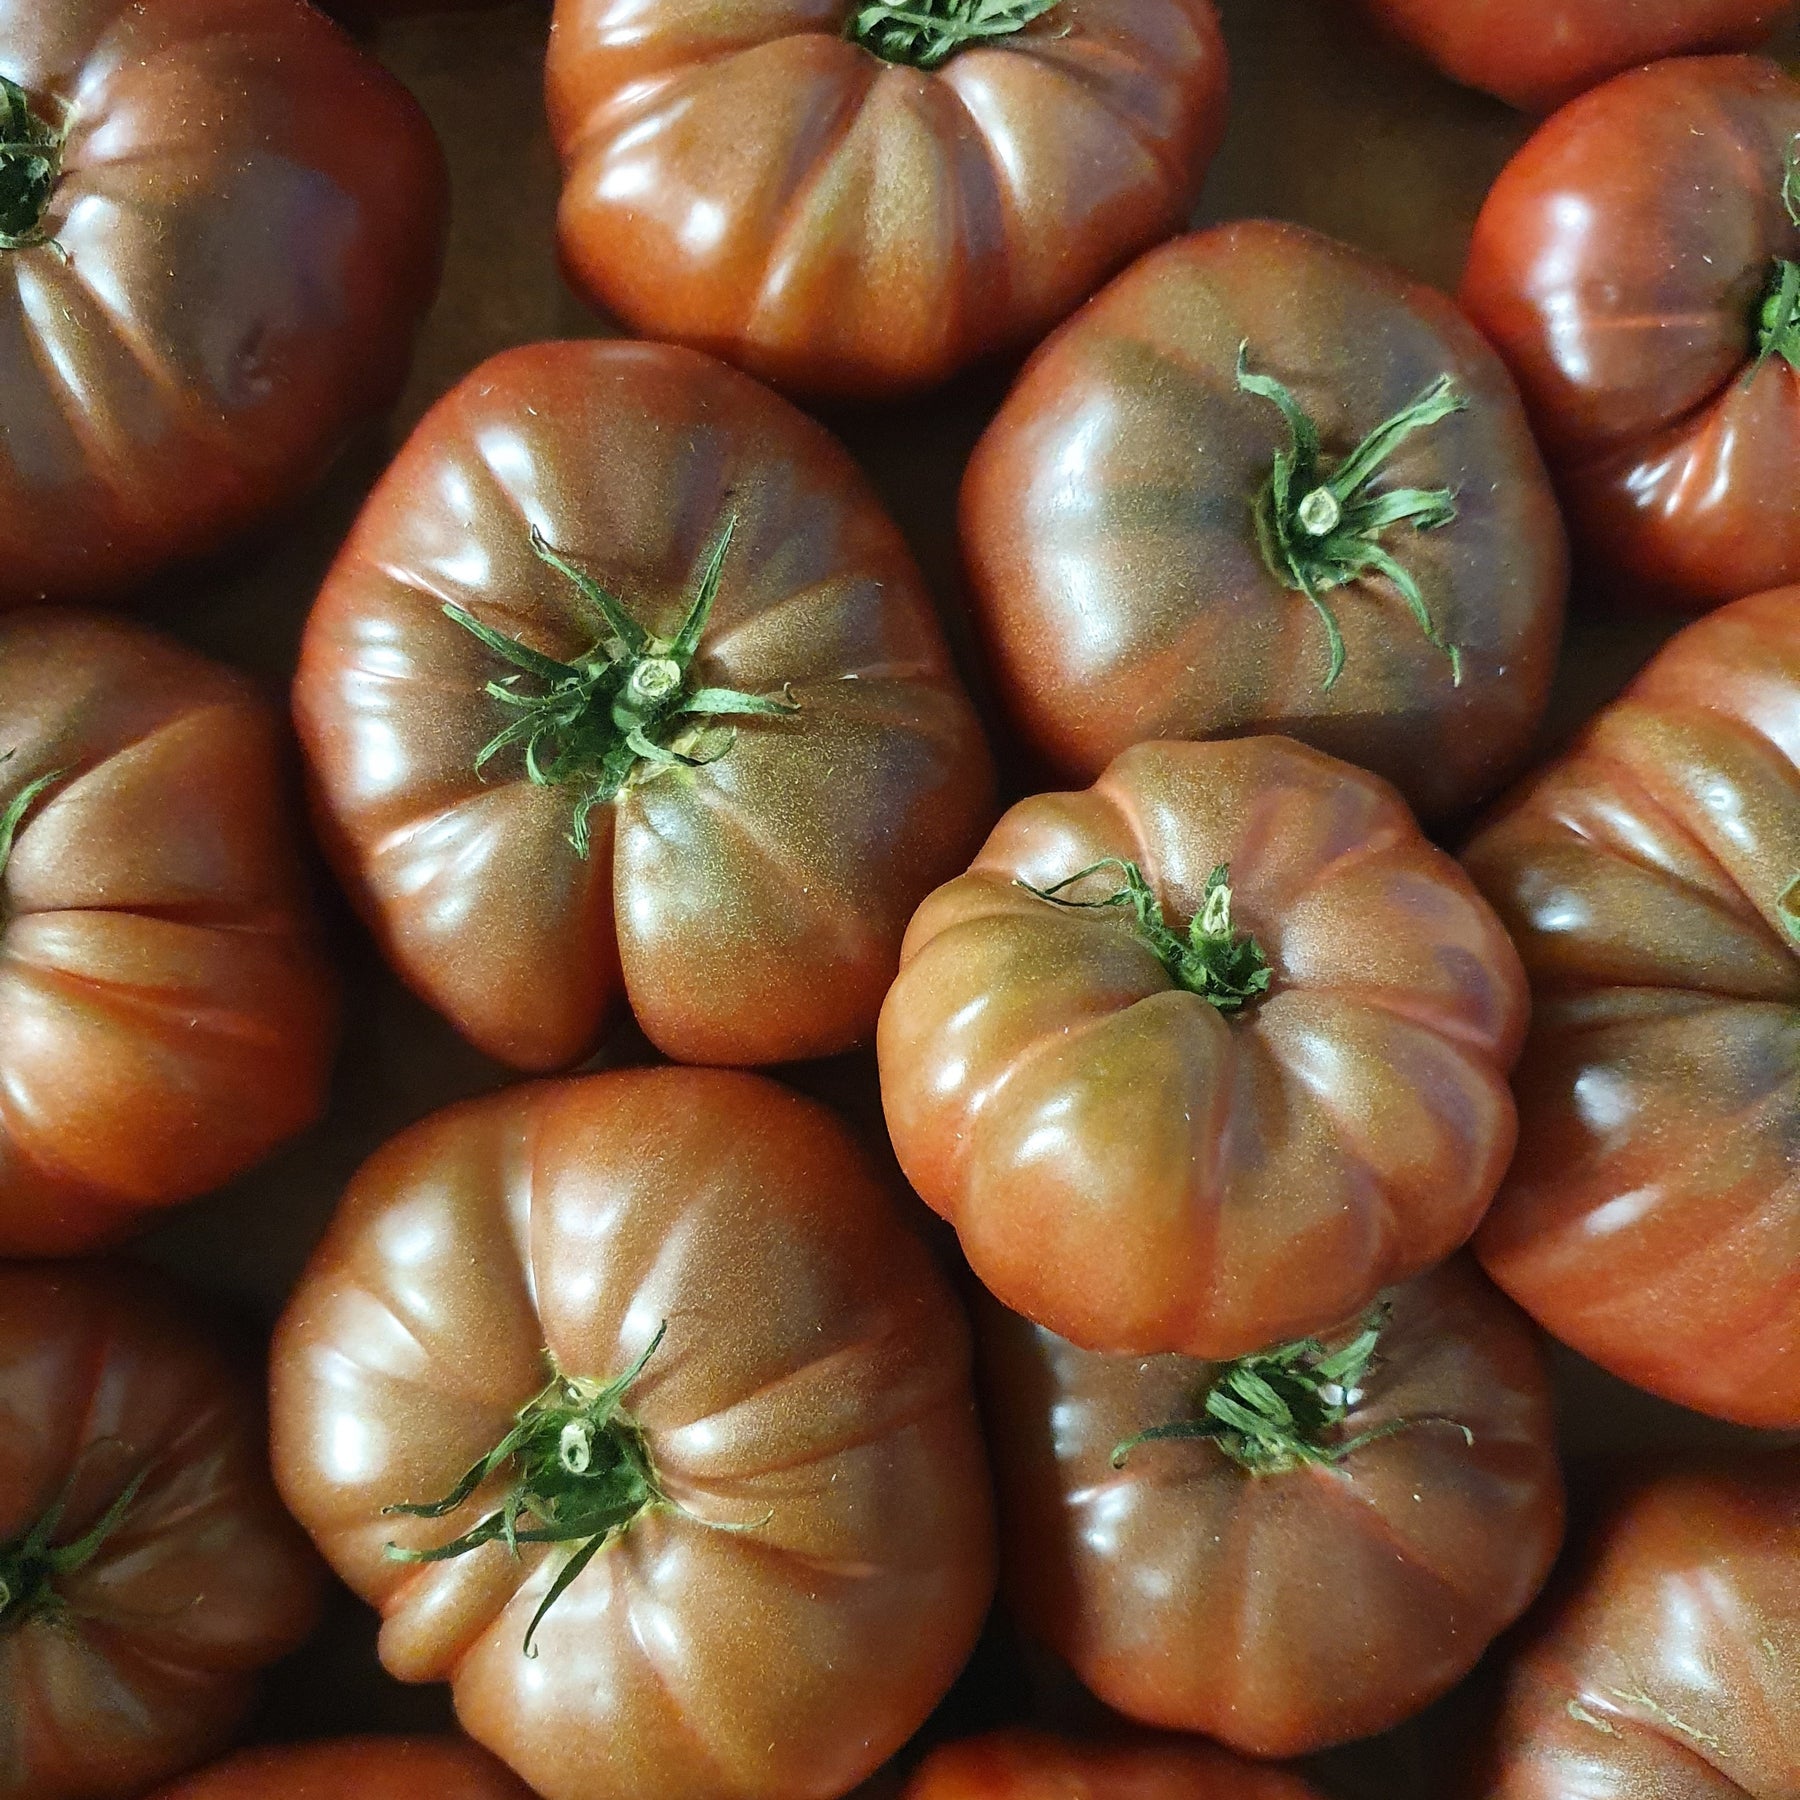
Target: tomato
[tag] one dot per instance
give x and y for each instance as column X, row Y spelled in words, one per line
column 221, row 224
column 147, row 1572
column 847, row 204
column 745, row 873
column 1667, row 1668
column 670, row 1323
column 1030, row 1765
column 1537, row 54
column 369, row 1768
column 1635, row 266
column 1293, row 1550
column 1648, row 878
column 1159, row 546
column 1225, row 1110
column 167, row 1016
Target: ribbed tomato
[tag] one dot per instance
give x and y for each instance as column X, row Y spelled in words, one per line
column 1031, row 1765
column 366, row 1768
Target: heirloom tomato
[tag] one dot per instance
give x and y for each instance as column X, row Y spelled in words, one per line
column 647, row 1424
column 167, row 1016
column 356, row 1769
column 220, row 226
column 1638, row 266
column 1649, row 878
column 1202, row 1058
column 1298, row 1548
column 1263, row 483
column 626, row 685
column 1538, row 53
column 1669, row 1667
column 147, row 1571
column 1031, row 1765
column 857, row 197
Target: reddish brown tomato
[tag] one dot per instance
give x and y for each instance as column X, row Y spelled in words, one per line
column 147, row 1571
column 366, row 1768
column 1631, row 265
column 848, row 206
column 751, row 901
column 1030, row 1765
column 166, row 1013
column 1539, row 53
column 1120, row 571
column 1652, row 1219
column 1670, row 1667
column 760, row 1387
column 1141, row 1167
column 1325, row 1598
column 213, row 269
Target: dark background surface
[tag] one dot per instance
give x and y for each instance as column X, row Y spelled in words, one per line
column 1330, row 127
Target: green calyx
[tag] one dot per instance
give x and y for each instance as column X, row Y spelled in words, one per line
column 1280, row 1410
column 30, row 162
column 627, row 707
column 13, row 817
column 926, row 34
column 32, row 1566
column 578, row 1471
column 1212, row 958
column 1778, row 313
column 1320, row 525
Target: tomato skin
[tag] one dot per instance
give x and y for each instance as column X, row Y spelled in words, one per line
column 104, row 1374
column 1283, row 1613
column 167, row 1015
column 1031, row 1765
column 749, row 182
column 815, row 1370
column 1618, row 265
column 1664, row 1669
column 1137, row 1171
column 251, row 216
column 1649, row 1219
column 371, row 1768
column 1539, row 54
column 1131, row 601
column 752, row 909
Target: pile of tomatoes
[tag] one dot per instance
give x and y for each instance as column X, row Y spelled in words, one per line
column 1019, row 1150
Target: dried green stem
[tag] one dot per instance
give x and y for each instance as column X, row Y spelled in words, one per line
column 12, row 818
column 31, row 151
column 1778, row 312
column 1320, row 524
column 31, row 1566
column 927, row 33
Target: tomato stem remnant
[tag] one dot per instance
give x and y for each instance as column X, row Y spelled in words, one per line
column 927, row 33
column 626, row 703
column 1778, row 315
column 1278, row 1410
column 30, row 162
column 22, row 802
column 1318, row 525
column 31, row 1566
column 1214, row 960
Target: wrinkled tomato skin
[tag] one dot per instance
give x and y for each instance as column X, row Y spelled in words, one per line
column 1281, row 1613
column 1619, row 265
column 246, row 232
column 751, row 909
column 813, row 1391
column 1141, row 1172
column 366, row 1768
column 742, row 178
column 1539, row 54
column 1651, row 1216
column 1031, row 1765
column 167, row 1013
column 1107, row 524
column 152, row 1662
column 1665, row 1666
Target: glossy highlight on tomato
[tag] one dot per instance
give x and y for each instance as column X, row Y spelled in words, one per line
column 368, row 1768
column 756, row 1544
column 211, row 274
column 1648, row 878
column 1631, row 266
column 167, row 1015
column 845, row 206
column 1125, row 572
column 147, row 1571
